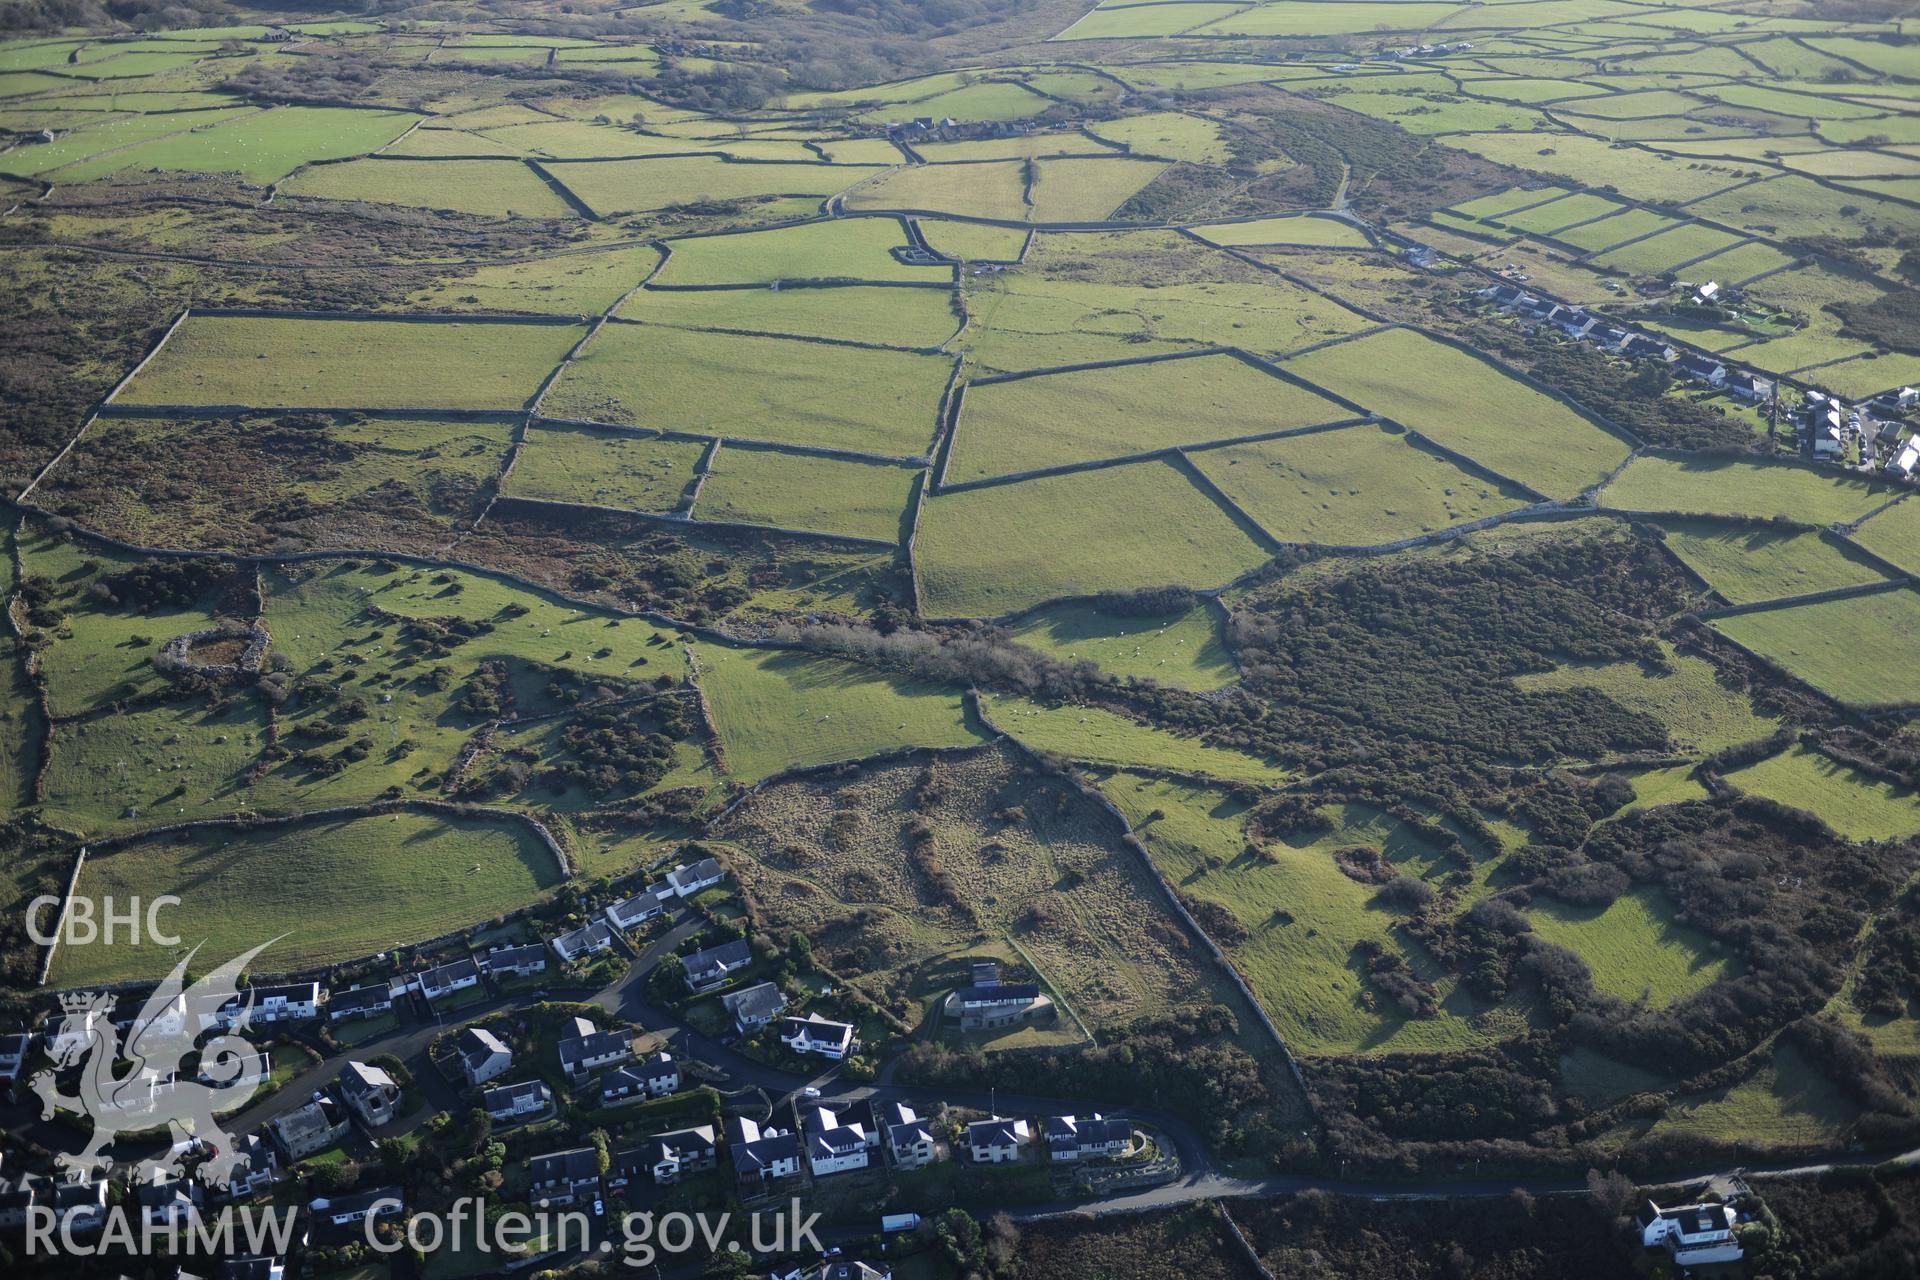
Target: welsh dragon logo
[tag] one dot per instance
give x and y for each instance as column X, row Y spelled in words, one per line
column 134, row 1084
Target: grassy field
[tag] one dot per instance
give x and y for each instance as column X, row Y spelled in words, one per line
column 1700, row 714
column 1856, row 805
column 1636, row 948
column 995, row 189
column 999, row 550
column 1655, row 787
column 1141, row 20
column 1106, row 737
column 490, row 188
column 611, row 187
column 1071, row 189
column 841, row 249
column 122, row 771
column 854, row 313
column 1359, row 486
column 363, row 885
column 1302, row 917
column 1170, row 135
column 261, row 148
column 1264, row 232
column 795, row 491
column 972, row 241
column 1741, row 262
column 578, row 284
column 1788, row 1101
column 1727, row 487
column 1468, row 406
column 604, row 468
column 1823, row 644
column 1747, row 564
column 99, row 144
column 1666, row 251
column 362, row 364
column 776, row 709
column 781, row 390
column 1044, row 421
column 1894, row 534
column 1182, row 651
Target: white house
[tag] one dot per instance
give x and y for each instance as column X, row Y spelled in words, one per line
column 835, row 1141
column 817, row 1035
column 1694, row 1234
column 561, row 1175
column 168, row 1203
column 997, row 1141
column 655, row 1077
column 294, row 1002
column 707, row 969
column 443, row 980
column 522, row 961
column 13, row 1054
column 367, row 1001
column 671, row 1156
column 483, row 1055
column 314, row 1127
column 513, row 1101
column 350, row 1210
column 755, row 1006
column 1085, row 1137
column 687, row 881
column 582, row 1055
column 909, row 1138
column 589, row 939
column 257, row 1170
column 631, row 912
column 370, row 1091
column 761, row 1153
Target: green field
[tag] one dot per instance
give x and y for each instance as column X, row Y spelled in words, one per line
column 785, row 391
column 1856, row 805
column 335, row 889
column 1302, row 917
column 1469, row 406
column 995, row 189
column 1655, row 787
column 491, row 188
column 1727, row 487
column 1669, row 249
column 852, row 313
column 973, row 241
column 1169, row 135
column 1000, row 550
column 1263, row 232
column 577, row 284
column 1894, row 534
column 1051, row 419
column 776, row 709
column 840, row 249
column 100, row 144
column 1636, row 948
column 1182, row 651
column 610, row 187
column 1106, row 737
column 797, row 491
column 1072, row 189
column 1824, row 644
column 262, row 148
column 1700, row 714
column 1789, row 1101
column 1140, row 20
column 604, row 468
column 276, row 362
column 1747, row 564
column 1358, row 486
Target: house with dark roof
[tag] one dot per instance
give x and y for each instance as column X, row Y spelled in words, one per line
column 653, row 1077
column 910, row 1140
column 344, row 1213
column 989, row 1003
column 590, row 939
column 484, row 1056
column 755, row 1006
column 629, row 913
column 1703, row 369
column 443, row 980
column 313, row 1127
column 762, row 1154
column 560, row 1176
column 582, row 1055
column 521, row 961
column 1641, row 347
column 837, row 1137
column 709, row 968
column 510, row 1102
column 1085, row 1137
column 998, row 1140
column 168, row 1203
column 13, row 1054
column 257, row 1169
column 671, row 1156
column 367, row 1001
column 819, row 1036
column 259, row 1006
column 1693, row 1234
column 255, row 1267
column 370, row 1091
column 1749, row 386
column 687, row 881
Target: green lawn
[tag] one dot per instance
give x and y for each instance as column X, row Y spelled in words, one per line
column 1361, row 486
column 1837, row 645
column 1655, row 787
column 1856, row 805
column 604, row 468
column 1000, row 550
column 840, row 249
column 490, row 188
column 796, row 491
column 1106, row 737
column 336, row 889
column 1182, row 651
column 780, row 390
column 1700, row 714
column 1468, row 406
column 123, row 771
column 1050, row 419
column 361, row 364
column 1729, row 487
column 1636, row 948
column 1747, row 564
column 776, row 709
column 855, row 313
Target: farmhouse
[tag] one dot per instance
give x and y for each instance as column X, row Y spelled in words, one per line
column 686, row 881
column 512, row 1101
column 670, row 1156
column 444, row 980
column 761, row 1154
column 559, row 1176
column 314, row 1127
column 1694, row 1234
column 1703, row 369
column 521, row 961
column 655, row 1077
column 708, row 969
column 909, row 1138
column 483, row 1055
column 1749, row 386
column 360, row 1002
column 588, row 940
column 817, row 1035
column 756, row 1006
column 370, row 1091
column 997, row 1141
column 1085, row 1137
column 989, row 1003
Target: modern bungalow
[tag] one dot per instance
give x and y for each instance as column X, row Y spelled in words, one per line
column 632, row 912
column 671, row 1156
column 687, row 881
column 754, row 1007
column 817, row 1035
column 709, row 968
column 444, row 980
column 582, row 1055
column 654, row 1077
column 521, row 961
column 589, row 939
column 560, row 1176
column 367, row 1001
column 1085, row 1137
